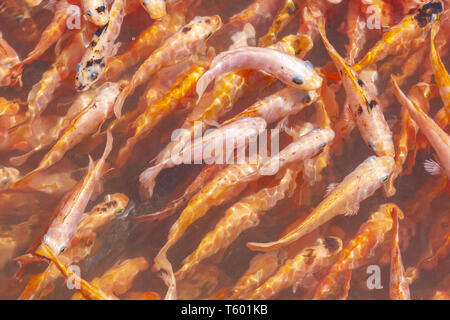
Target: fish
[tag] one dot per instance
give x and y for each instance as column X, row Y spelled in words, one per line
column 286, row 13
column 9, row 107
column 357, row 251
column 289, row 69
column 438, row 248
column 257, row 13
column 16, row 14
column 398, row 285
column 155, row 8
column 81, row 246
column 224, row 186
column 279, row 105
column 8, row 176
column 207, row 173
column 241, row 216
column 441, row 75
column 101, row 49
column 67, row 216
column 227, row 90
column 435, row 135
column 64, row 225
column 51, row 34
column 298, row 271
column 178, row 47
column 43, row 92
column 261, row 267
column 310, row 14
column 155, row 112
column 410, row 27
column 364, row 108
column 343, row 198
column 86, row 122
column 406, row 140
column 145, row 43
column 81, row 102
column 356, row 30
column 217, row 146
column 8, row 58
column 304, row 147
column 97, row 12
column 118, row 279
column 88, row 290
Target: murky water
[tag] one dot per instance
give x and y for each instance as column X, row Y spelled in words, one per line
column 26, row 214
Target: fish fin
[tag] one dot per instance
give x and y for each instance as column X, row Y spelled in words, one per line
column 115, row 49
column 20, row 160
column 163, row 214
column 330, row 188
column 203, row 83
column 352, row 210
column 120, row 100
column 170, row 282
column 432, row 167
column 264, row 247
column 23, row 260
column 308, row 281
column 211, row 123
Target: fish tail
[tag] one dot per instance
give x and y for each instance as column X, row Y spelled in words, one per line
column 109, row 144
column 125, row 152
column 20, row 160
column 163, row 214
column 121, row 100
column 148, row 180
column 202, row 84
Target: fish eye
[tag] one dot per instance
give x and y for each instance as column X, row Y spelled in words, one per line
column 297, row 80
column 4, row 181
column 306, row 99
column 385, row 178
column 62, row 249
column 94, row 75
column 371, row 145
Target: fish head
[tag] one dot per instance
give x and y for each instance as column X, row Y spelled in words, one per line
column 97, row 12
column 205, row 27
column 385, row 166
column 87, row 74
column 300, row 74
column 428, row 13
column 7, row 177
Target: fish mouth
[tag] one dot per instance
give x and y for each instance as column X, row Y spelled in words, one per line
column 333, row 244
column 81, row 87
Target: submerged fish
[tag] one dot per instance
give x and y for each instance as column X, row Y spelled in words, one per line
column 435, row 135
column 101, row 49
column 291, row 70
column 344, row 198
